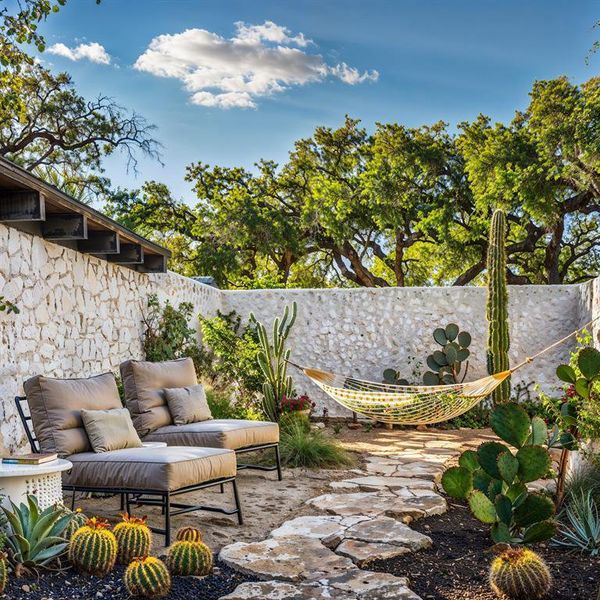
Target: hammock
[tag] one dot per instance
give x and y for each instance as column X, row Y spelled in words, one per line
column 413, row 404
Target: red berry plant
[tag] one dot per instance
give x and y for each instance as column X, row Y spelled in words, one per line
column 296, row 404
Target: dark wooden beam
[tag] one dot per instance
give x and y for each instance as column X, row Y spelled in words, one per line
column 100, row 242
column 69, row 226
column 22, row 205
column 130, row 254
column 153, row 263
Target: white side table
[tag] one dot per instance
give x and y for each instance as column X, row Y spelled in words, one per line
column 42, row 481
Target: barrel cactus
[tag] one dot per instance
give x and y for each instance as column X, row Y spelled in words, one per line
column 494, row 478
column 147, row 577
column 520, row 574
column 133, row 538
column 189, row 558
column 447, row 364
column 93, row 548
column 78, row 519
column 3, row 571
column 498, row 342
column 188, row 534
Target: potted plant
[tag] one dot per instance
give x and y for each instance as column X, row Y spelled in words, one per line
column 301, row 405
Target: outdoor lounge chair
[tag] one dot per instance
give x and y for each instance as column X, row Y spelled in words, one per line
column 141, row 475
column 145, row 384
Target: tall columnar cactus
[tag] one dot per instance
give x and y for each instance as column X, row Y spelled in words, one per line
column 497, row 306
column 133, row 538
column 519, row 574
column 93, row 548
column 272, row 360
column 147, row 577
column 190, row 558
column 494, row 478
column 188, row 534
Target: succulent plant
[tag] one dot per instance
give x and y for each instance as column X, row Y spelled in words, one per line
column 35, row 538
column 190, row 558
column 446, row 365
column 134, row 538
column 494, row 478
column 147, row 577
column 3, row 571
column 188, row 534
column 520, row 574
column 93, row 548
column 392, row 377
column 272, row 360
column 78, row 519
column 498, row 342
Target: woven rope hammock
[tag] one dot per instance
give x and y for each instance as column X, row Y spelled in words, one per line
column 413, row 404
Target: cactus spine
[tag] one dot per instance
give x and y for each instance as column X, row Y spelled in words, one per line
column 520, row 574
column 190, row 558
column 188, row 534
column 147, row 577
column 133, row 538
column 93, row 548
column 78, row 519
column 497, row 306
column 272, row 360
column 3, row 571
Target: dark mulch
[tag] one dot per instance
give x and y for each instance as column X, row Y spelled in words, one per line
column 69, row 585
column 456, row 567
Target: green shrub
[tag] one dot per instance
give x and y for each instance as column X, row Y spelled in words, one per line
column 476, row 418
column 302, row 447
column 584, row 479
column 222, row 407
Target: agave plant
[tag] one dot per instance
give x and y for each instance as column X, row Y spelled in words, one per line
column 582, row 528
column 34, row 537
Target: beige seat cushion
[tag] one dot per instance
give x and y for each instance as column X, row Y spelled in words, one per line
column 158, row 469
column 110, row 429
column 144, row 384
column 218, row 433
column 56, row 405
column 187, row 404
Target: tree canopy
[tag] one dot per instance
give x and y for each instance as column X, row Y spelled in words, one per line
column 400, row 206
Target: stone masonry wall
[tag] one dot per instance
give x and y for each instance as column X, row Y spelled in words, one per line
column 81, row 315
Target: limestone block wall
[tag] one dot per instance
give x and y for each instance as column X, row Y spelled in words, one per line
column 81, row 315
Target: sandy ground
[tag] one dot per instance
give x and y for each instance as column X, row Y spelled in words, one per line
column 267, row 503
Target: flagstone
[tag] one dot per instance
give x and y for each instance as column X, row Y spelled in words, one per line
column 316, row 527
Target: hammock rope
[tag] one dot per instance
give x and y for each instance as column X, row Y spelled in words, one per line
column 415, row 404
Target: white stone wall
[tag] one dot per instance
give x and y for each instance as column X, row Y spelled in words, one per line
column 81, row 315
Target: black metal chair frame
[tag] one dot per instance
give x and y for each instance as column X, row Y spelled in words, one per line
column 145, row 497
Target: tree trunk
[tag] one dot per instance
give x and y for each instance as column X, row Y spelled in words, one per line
column 552, row 255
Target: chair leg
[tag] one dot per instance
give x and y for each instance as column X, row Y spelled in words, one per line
column 222, row 488
column 123, row 502
column 167, row 512
column 237, row 502
column 73, row 500
column 278, row 460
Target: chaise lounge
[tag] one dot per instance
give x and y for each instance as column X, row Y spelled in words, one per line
column 155, row 392
column 83, row 420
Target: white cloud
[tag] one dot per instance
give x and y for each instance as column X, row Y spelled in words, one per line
column 93, row 51
column 258, row 61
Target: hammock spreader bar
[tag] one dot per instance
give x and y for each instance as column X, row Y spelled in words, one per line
column 414, row 404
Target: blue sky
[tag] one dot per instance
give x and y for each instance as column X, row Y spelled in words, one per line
column 407, row 61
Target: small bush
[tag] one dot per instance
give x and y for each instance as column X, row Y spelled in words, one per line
column 222, row 407
column 302, row 447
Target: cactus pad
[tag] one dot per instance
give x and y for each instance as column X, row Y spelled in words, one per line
column 534, row 462
column 457, row 482
column 511, row 423
column 482, row 507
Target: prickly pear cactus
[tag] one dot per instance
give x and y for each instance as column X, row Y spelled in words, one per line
column 147, row 577
column 498, row 342
column 450, row 364
column 133, row 538
column 519, row 574
column 494, row 479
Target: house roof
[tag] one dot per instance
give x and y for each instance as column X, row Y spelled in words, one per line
column 33, row 205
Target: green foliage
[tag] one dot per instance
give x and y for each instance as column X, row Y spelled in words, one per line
column 232, row 360
column 476, row 418
column 580, row 523
column 393, row 377
column 147, row 577
column 93, row 548
column 498, row 341
column 223, row 407
column 519, row 574
column 35, row 538
column 7, row 306
column 272, row 360
column 447, row 364
column 493, row 479
column 190, row 558
column 300, row 446
column 134, row 538
column 3, row 572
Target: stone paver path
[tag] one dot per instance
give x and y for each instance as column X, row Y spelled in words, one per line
column 364, row 518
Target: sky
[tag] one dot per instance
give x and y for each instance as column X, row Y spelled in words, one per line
column 232, row 81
